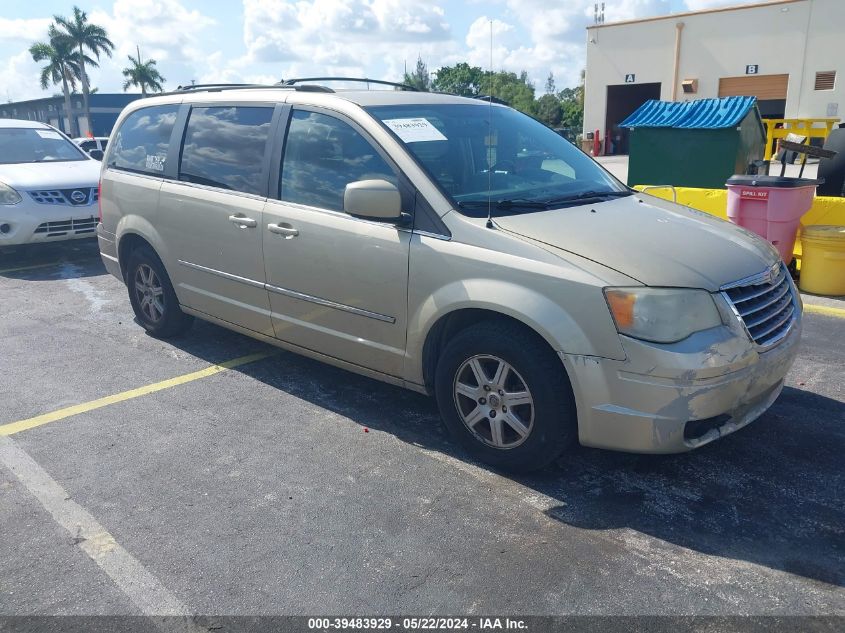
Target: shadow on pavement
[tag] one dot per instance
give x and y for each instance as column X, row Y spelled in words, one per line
column 52, row 260
column 770, row 494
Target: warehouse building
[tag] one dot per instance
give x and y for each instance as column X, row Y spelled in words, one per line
column 790, row 54
column 51, row 110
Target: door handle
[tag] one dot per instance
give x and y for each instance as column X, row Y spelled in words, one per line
column 283, row 229
column 243, row 221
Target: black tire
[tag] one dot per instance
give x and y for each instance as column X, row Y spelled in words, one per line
column 148, row 305
column 554, row 424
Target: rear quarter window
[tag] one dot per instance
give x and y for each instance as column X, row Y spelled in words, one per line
column 224, row 147
column 142, row 141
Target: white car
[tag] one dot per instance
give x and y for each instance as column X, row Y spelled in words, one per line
column 48, row 185
column 92, row 144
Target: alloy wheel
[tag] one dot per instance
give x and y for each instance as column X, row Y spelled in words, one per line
column 494, row 401
column 149, row 292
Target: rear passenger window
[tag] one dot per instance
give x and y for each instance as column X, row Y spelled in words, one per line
column 224, row 147
column 141, row 143
column 323, row 155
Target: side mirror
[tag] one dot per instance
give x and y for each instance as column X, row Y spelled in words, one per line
column 373, row 199
column 96, row 154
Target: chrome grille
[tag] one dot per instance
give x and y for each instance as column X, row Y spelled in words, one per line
column 84, row 196
column 77, row 226
column 767, row 308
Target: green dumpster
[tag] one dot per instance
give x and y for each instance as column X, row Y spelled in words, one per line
column 698, row 143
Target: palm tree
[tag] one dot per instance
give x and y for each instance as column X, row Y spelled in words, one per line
column 85, row 36
column 63, row 67
column 142, row 74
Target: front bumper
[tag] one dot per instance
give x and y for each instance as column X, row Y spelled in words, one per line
column 710, row 384
column 31, row 222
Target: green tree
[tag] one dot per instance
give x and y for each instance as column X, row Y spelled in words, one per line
column 419, row 78
column 550, row 84
column 460, row 79
column 84, row 36
column 549, row 110
column 572, row 105
column 515, row 90
column 143, row 74
column 63, row 67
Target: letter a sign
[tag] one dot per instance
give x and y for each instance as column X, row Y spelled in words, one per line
column 630, row 78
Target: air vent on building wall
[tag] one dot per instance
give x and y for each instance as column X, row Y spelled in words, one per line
column 825, row 79
column 690, row 86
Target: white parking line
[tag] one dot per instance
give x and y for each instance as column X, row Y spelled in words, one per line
column 145, row 590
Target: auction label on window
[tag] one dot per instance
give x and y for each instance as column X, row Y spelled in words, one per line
column 48, row 134
column 415, row 130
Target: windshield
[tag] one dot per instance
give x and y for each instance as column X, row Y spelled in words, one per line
column 36, row 145
column 482, row 155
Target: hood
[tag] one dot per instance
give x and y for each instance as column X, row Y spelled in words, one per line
column 658, row 244
column 57, row 175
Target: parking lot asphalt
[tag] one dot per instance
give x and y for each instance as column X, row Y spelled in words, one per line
column 285, row 486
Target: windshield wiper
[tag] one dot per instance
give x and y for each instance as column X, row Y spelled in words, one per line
column 588, row 195
column 506, row 204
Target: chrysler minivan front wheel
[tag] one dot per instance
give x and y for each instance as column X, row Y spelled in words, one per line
column 152, row 297
column 504, row 395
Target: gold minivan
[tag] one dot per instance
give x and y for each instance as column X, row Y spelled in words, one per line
column 454, row 247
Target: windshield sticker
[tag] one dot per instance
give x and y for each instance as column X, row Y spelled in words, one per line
column 48, row 134
column 415, row 130
column 155, row 163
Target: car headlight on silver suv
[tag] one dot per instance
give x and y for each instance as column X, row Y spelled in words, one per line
column 8, row 195
column 661, row 315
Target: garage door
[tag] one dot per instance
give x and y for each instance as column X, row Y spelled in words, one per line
column 760, row 86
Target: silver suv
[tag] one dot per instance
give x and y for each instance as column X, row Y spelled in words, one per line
column 454, row 247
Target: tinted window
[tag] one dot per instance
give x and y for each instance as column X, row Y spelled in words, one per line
column 88, row 145
column 322, row 156
column 141, row 142
column 224, row 147
column 36, row 145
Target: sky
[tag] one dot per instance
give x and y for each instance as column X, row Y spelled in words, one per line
column 263, row 41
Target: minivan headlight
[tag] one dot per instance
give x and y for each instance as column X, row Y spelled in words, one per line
column 661, row 315
column 8, row 195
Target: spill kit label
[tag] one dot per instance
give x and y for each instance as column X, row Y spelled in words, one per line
column 754, row 194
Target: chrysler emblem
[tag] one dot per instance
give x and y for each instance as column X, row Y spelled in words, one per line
column 78, row 196
column 773, row 273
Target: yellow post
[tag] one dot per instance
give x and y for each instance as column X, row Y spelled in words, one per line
column 811, row 128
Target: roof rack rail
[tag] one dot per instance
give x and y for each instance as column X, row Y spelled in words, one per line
column 491, row 99
column 215, row 86
column 293, row 82
column 306, row 88
column 227, row 86
column 212, row 88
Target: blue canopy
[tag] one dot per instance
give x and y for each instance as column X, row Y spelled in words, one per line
column 702, row 114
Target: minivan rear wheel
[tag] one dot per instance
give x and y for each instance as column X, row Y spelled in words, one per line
column 504, row 395
column 152, row 297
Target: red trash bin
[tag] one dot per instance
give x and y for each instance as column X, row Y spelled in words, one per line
column 771, row 206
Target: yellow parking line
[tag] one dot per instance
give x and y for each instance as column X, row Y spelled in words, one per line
column 826, row 310
column 39, row 420
column 47, row 265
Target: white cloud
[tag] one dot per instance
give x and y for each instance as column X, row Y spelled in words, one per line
column 19, row 79
column 21, row 29
column 377, row 38
column 544, row 37
column 337, row 37
column 164, row 29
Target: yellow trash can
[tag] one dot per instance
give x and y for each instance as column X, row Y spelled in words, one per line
column 823, row 260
